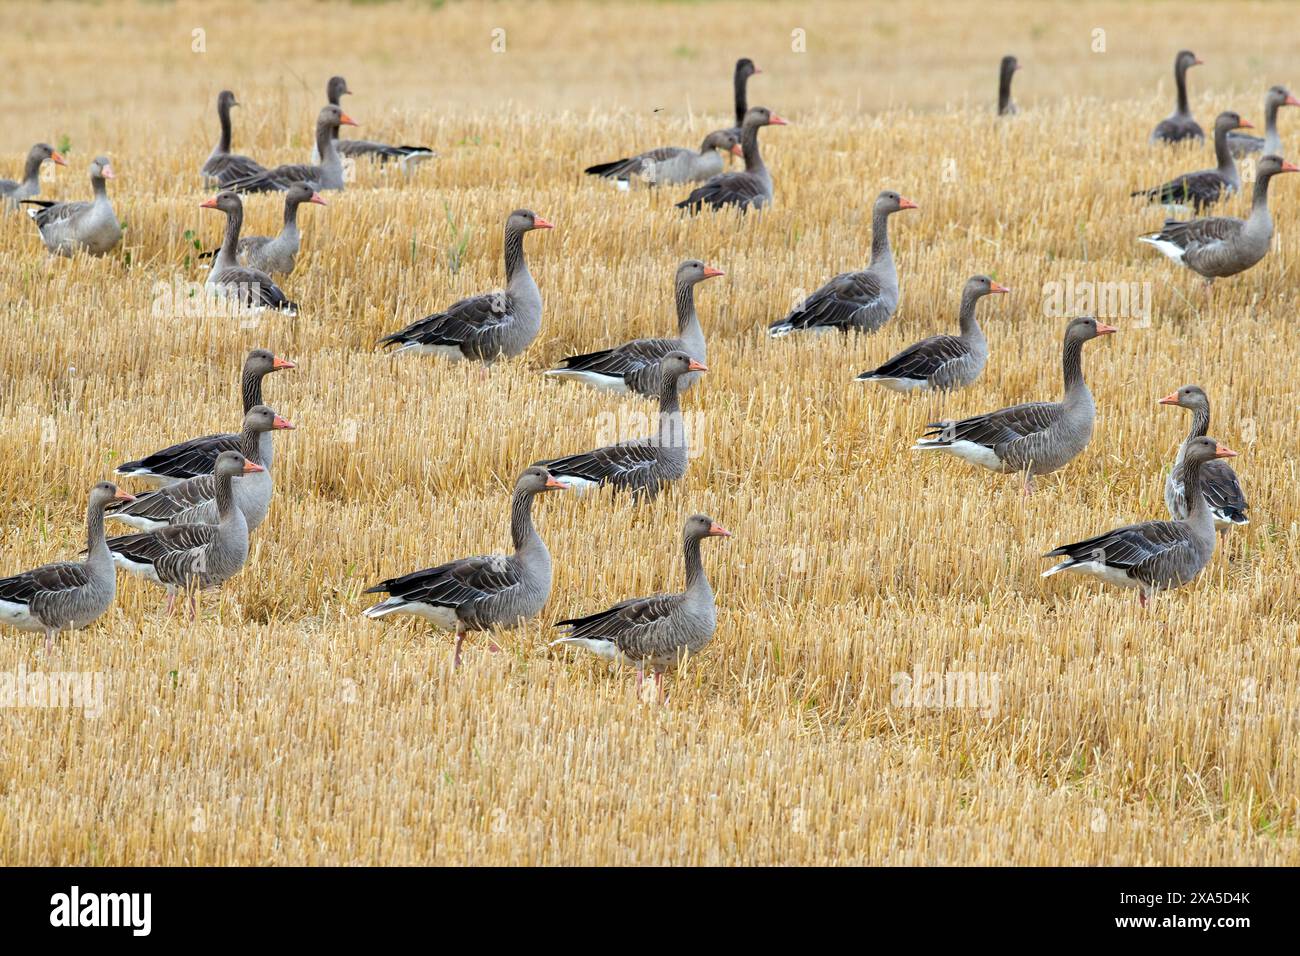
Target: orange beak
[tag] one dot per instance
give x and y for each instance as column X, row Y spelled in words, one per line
column 1290, row 168
column 209, row 203
column 282, row 423
column 540, row 223
column 57, row 158
column 1104, row 329
column 278, row 363
column 994, row 287
column 907, row 204
column 108, row 172
column 697, row 366
column 718, row 531
column 346, row 120
column 710, row 272
column 1197, row 62
column 1290, row 101
column 737, row 151
column 123, row 496
column 1170, row 399
column 757, row 70
column 777, row 121
column 1245, row 124
column 249, row 467
column 552, row 482
column 316, row 198
column 1223, row 451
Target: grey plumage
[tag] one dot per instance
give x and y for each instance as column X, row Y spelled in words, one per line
column 1007, row 69
column 670, row 165
column 276, row 255
column 1179, row 125
column 1219, row 483
column 14, row 191
column 1243, row 144
column 70, row 227
column 222, row 166
column 327, row 174
column 405, row 156
column 1207, row 186
column 751, row 189
column 248, row 288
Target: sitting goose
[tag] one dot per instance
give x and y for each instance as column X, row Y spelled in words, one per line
column 335, row 90
column 194, row 501
column 276, row 255
column 854, row 301
column 193, row 557
column 1218, row 246
column 1179, row 125
column 1007, row 70
column 328, row 174
column 1243, row 144
column 635, row 366
column 661, row 630
column 222, row 166
column 69, row 227
column 198, row 456
column 485, row 327
column 15, row 191
column 66, row 595
column 745, row 68
column 1219, row 484
column 942, row 361
column 643, row 466
column 248, row 288
column 483, row 592
column 1208, row 186
column 1154, row 555
column 1035, row 438
column 751, row 188
column 670, row 165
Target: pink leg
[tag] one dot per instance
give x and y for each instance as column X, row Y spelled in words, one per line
column 455, row 660
column 49, row 640
column 1029, row 484
column 1142, row 598
column 659, row 686
column 194, row 606
column 171, row 603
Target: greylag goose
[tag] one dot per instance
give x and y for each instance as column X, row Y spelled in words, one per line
column 1219, row 246
column 854, row 301
column 328, row 174
column 745, row 68
column 491, row 325
column 249, row 288
column 1243, row 144
column 222, row 166
column 335, row 90
column 1219, row 484
column 644, row 466
column 1154, row 555
column 486, row 591
column 635, row 366
column 942, row 361
column 1208, row 186
column 198, row 456
column 276, row 255
column 1179, row 125
column 193, row 557
column 29, row 187
column 661, row 630
column 1007, row 70
column 751, row 188
column 194, row 501
column 69, row 227
column 1035, row 438
column 66, row 595
column 670, row 165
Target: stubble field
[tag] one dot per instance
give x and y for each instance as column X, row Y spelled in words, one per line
column 283, row 728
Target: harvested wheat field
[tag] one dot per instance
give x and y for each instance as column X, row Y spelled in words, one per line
column 284, row 728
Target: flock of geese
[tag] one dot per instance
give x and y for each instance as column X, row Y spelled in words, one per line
column 192, row 529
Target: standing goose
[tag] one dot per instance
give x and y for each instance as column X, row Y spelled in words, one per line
column 247, row 287
column 670, row 165
column 276, row 255
column 335, row 90
column 745, row 68
column 69, row 227
column 1154, row 555
column 194, row 501
column 328, row 174
column 635, row 366
column 1208, row 186
column 1008, row 69
column 643, row 466
column 485, row 327
column 193, row 557
column 222, row 166
column 1179, row 125
column 1219, row 484
column 1243, row 144
column 751, row 188
column 854, row 301
column 198, row 456
column 1218, row 246
column 661, row 630
column 66, row 595
column 15, row 191
column 1035, row 438
column 483, row 592
column 942, row 361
